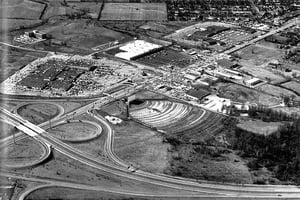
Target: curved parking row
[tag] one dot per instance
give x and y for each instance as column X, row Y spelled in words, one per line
column 168, row 116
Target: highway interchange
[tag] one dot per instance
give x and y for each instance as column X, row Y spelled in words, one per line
column 190, row 188
column 120, row 168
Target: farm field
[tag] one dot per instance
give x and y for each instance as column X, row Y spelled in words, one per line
column 134, row 11
column 38, row 113
column 166, row 57
column 22, row 9
column 293, row 85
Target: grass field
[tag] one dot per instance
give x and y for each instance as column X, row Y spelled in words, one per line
column 135, row 11
column 21, row 9
column 259, row 127
column 73, row 131
column 15, row 24
column 138, row 144
column 38, row 113
column 141, row 146
column 24, row 151
column 93, row 8
column 277, row 91
column 259, row 54
column 242, row 94
column 62, row 168
column 15, row 60
column 6, row 129
column 292, row 85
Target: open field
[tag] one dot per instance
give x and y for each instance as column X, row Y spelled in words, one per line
column 74, row 131
column 242, row 94
column 260, row 54
column 22, row 9
column 79, row 37
column 6, row 129
column 262, row 73
column 76, row 194
column 15, row 60
column 93, row 147
column 38, row 113
column 15, row 24
column 208, row 163
column 289, row 110
column 24, row 151
column 92, row 8
column 259, row 127
column 134, row 11
column 277, row 91
column 63, row 168
column 141, row 147
column 292, row 85
column 137, row 144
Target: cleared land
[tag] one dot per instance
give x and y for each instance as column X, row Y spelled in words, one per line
column 134, row 11
column 22, row 152
column 74, row 131
column 242, row 94
column 38, row 113
column 293, row 85
column 259, row 127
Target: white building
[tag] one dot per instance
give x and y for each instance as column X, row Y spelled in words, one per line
column 136, row 48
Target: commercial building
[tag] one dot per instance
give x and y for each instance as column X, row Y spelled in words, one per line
column 136, row 49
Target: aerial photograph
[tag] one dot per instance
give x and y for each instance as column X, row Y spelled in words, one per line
column 149, row 99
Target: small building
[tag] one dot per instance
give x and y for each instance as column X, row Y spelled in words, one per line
column 40, row 35
column 191, row 76
column 29, row 34
column 253, row 82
